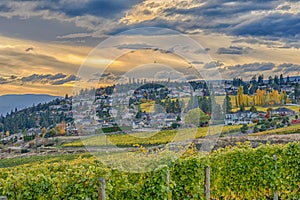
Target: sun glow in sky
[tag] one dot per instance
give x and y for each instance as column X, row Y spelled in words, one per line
column 44, row 43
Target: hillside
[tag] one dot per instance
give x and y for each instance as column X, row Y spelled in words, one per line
column 20, row 101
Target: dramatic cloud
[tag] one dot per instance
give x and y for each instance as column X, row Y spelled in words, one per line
column 250, row 69
column 68, row 79
column 29, row 49
column 44, row 79
column 213, row 65
column 273, row 25
column 234, row 50
column 287, row 68
column 81, row 19
column 135, row 46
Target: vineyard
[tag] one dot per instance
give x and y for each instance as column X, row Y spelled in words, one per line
column 239, row 172
column 163, row 137
column 285, row 130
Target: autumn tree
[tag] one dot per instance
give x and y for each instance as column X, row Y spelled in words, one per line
column 240, row 96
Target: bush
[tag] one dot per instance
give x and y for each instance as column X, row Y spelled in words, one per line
column 255, row 129
column 244, row 128
column 25, row 150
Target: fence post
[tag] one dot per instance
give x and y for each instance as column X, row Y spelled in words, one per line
column 207, row 183
column 276, row 192
column 101, row 189
column 169, row 195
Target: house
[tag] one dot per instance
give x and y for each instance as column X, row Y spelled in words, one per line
column 283, row 112
column 240, row 118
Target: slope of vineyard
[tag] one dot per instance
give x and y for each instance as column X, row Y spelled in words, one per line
column 239, row 172
column 143, row 138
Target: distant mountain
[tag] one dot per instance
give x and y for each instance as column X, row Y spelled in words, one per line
column 20, row 101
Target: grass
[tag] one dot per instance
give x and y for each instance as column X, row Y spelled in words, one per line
column 147, row 107
column 148, row 138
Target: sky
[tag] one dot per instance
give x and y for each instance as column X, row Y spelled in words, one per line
column 47, row 46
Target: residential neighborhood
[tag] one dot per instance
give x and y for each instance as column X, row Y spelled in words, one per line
column 134, row 107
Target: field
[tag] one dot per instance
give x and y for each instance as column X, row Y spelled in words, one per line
column 239, row 172
column 148, row 138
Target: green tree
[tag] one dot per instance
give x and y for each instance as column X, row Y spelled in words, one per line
column 195, row 117
column 296, row 92
column 244, row 128
column 178, row 118
column 281, row 80
column 253, row 109
column 242, row 108
column 227, row 106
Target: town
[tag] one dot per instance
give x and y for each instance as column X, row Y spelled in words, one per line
column 140, row 106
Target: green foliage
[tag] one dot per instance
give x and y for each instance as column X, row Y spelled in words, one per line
column 195, row 117
column 227, row 105
column 114, row 129
column 239, row 172
column 244, row 128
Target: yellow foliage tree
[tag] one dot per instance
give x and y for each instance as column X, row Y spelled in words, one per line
column 240, row 96
column 62, row 128
column 7, row 133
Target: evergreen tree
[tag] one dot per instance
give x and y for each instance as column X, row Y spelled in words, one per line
column 192, row 103
column 271, row 80
column 276, row 80
column 281, row 80
column 288, row 80
column 227, row 106
column 242, row 108
column 260, row 80
column 296, row 92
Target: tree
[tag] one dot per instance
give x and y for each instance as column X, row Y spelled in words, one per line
column 192, row 103
column 61, row 128
column 288, row 80
column 296, row 92
column 240, row 96
column 244, row 128
column 253, row 109
column 227, row 106
column 178, row 118
column 242, row 108
column 138, row 115
column 260, row 80
column 7, row 133
column 195, row 117
column 281, row 80
column 271, row 80
column 276, row 80
column 44, row 131
column 255, row 129
column 253, row 80
column 260, row 98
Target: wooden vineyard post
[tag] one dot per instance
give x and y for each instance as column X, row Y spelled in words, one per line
column 276, row 192
column 101, row 189
column 169, row 195
column 207, row 183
